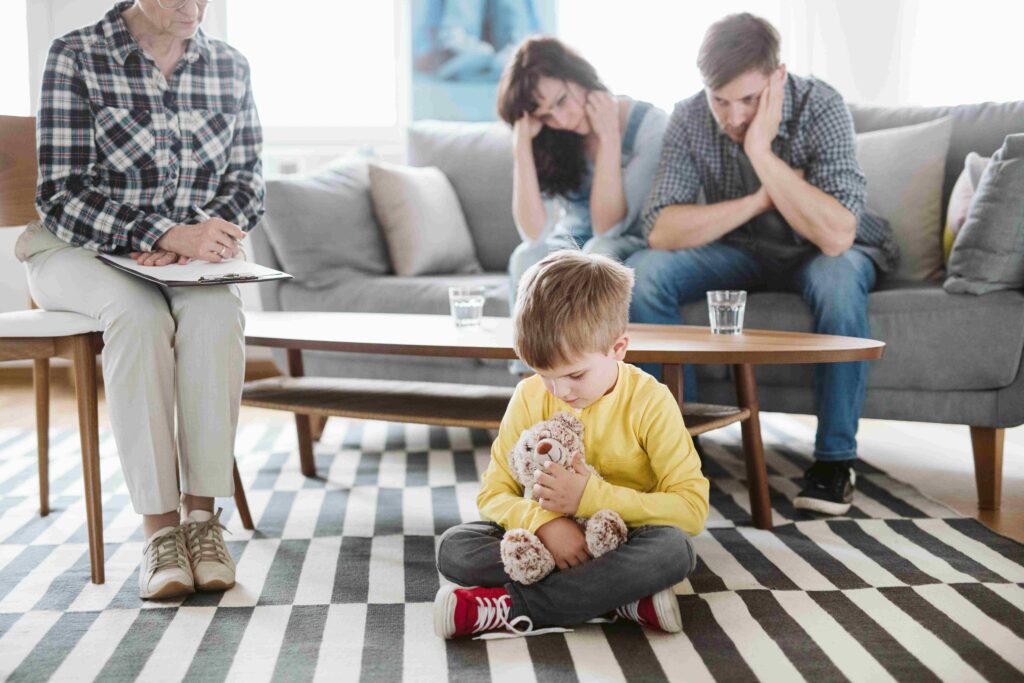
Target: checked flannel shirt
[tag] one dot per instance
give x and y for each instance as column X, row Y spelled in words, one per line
column 124, row 154
column 815, row 134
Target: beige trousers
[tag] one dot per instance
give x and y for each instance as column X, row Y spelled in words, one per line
column 164, row 348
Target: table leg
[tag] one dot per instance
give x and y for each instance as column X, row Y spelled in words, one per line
column 753, row 449
column 672, row 377
column 302, row 422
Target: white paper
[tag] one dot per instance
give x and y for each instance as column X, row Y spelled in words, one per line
column 194, row 270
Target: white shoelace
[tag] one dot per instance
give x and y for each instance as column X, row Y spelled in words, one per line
column 166, row 552
column 206, row 543
column 492, row 613
column 631, row 611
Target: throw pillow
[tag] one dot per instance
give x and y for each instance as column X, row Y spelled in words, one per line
column 904, row 169
column 322, row 224
column 988, row 254
column 422, row 220
column 960, row 199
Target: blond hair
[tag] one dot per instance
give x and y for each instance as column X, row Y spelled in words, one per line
column 570, row 303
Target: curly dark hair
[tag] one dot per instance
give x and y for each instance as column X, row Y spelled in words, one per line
column 558, row 154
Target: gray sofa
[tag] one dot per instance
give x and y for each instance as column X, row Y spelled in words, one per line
column 953, row 359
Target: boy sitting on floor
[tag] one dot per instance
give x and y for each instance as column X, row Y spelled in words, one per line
column 570, row 326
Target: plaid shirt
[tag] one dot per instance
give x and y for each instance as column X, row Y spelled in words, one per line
column 124, row 154
column 815, row 134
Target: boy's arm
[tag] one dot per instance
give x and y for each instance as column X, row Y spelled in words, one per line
column 680, row 497
column 501, row 497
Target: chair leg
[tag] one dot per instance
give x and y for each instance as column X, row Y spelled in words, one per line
column 41, row 383
column 987, row 444
column 317, row 424
column 84, row 362
column 241, row 502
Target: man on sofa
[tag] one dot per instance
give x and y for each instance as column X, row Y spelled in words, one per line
column 774, row 156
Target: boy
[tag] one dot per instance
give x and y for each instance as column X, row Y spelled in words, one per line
column 570, row 325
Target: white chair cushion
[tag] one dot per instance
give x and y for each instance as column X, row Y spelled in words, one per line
column 46, row 324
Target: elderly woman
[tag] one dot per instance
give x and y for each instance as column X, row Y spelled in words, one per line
column 149, row 145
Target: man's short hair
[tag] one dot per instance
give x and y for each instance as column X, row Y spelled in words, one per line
column 570, row 303
column 735, row 45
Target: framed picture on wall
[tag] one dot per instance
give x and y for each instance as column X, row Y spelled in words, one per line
column 459, row 49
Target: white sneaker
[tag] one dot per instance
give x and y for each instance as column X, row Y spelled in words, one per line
column 212, row 566
column 165, row 571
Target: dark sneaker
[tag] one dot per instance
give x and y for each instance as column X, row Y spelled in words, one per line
column 829, row 488
column 660, row 611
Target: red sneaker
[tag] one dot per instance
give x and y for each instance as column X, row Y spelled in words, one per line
column 660, row 611
column 468, row 611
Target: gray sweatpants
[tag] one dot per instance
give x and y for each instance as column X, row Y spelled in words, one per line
column 652, row 559
column 173, row 364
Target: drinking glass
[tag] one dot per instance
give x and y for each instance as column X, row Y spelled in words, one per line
column 467, row 304
column 725, row 311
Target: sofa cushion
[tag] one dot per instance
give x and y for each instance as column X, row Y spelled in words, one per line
column 934, row 341
column 960, row 199
column 977, row 128
column 904, row 167
column 395, row 294
column 422, row 221
column 320, row 225
column 988, row 254
column 477, row 158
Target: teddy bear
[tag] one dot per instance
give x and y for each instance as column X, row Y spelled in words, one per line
column 558, row 440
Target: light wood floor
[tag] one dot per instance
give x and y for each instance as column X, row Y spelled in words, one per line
column 934, row 458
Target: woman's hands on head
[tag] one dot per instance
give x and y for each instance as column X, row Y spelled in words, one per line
column 526, row 129
column 603, row 113
column 213, row 240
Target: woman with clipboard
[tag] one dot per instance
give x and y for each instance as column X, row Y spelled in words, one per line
column 143, row 116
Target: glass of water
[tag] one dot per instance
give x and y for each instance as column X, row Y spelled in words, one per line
column 467, row 304
column 725, row 310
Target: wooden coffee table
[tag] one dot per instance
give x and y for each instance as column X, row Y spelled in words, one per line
column 483, row 406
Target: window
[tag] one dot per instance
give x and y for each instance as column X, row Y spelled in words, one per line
column 647, row 49
column 323, row 71
column 14, row 95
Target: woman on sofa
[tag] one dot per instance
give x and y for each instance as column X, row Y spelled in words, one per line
column 584, row 157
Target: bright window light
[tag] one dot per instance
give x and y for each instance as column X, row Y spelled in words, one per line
column 647, row 49
column 14, row 94
column 319, row 63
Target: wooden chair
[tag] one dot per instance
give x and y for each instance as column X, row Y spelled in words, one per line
column 38, row 336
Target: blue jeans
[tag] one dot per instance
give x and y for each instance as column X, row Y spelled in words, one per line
column 835, row 287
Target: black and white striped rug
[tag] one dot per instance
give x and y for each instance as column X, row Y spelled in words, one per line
column 338, row 581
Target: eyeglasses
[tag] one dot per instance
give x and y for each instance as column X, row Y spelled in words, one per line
column 178, row 4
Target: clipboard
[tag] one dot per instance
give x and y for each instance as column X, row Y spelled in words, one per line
column 196, row 273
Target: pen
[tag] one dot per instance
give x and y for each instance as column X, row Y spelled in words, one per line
column 198, row 210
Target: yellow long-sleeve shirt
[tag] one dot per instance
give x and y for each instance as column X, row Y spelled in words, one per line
column 634, row 436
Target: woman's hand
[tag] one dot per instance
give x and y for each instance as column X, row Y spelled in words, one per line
column 214, row 240
column 526, row 129
column 603, row 113
column 159, row 257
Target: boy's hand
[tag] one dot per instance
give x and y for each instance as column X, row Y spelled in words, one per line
column 560, row 490
column 565, row 541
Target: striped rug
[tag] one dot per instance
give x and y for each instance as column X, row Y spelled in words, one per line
column 338, row 581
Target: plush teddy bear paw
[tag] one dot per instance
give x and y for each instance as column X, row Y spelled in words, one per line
column 525, row 558
column 605, row 531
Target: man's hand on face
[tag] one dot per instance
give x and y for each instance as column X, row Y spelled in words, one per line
column 765, row 125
